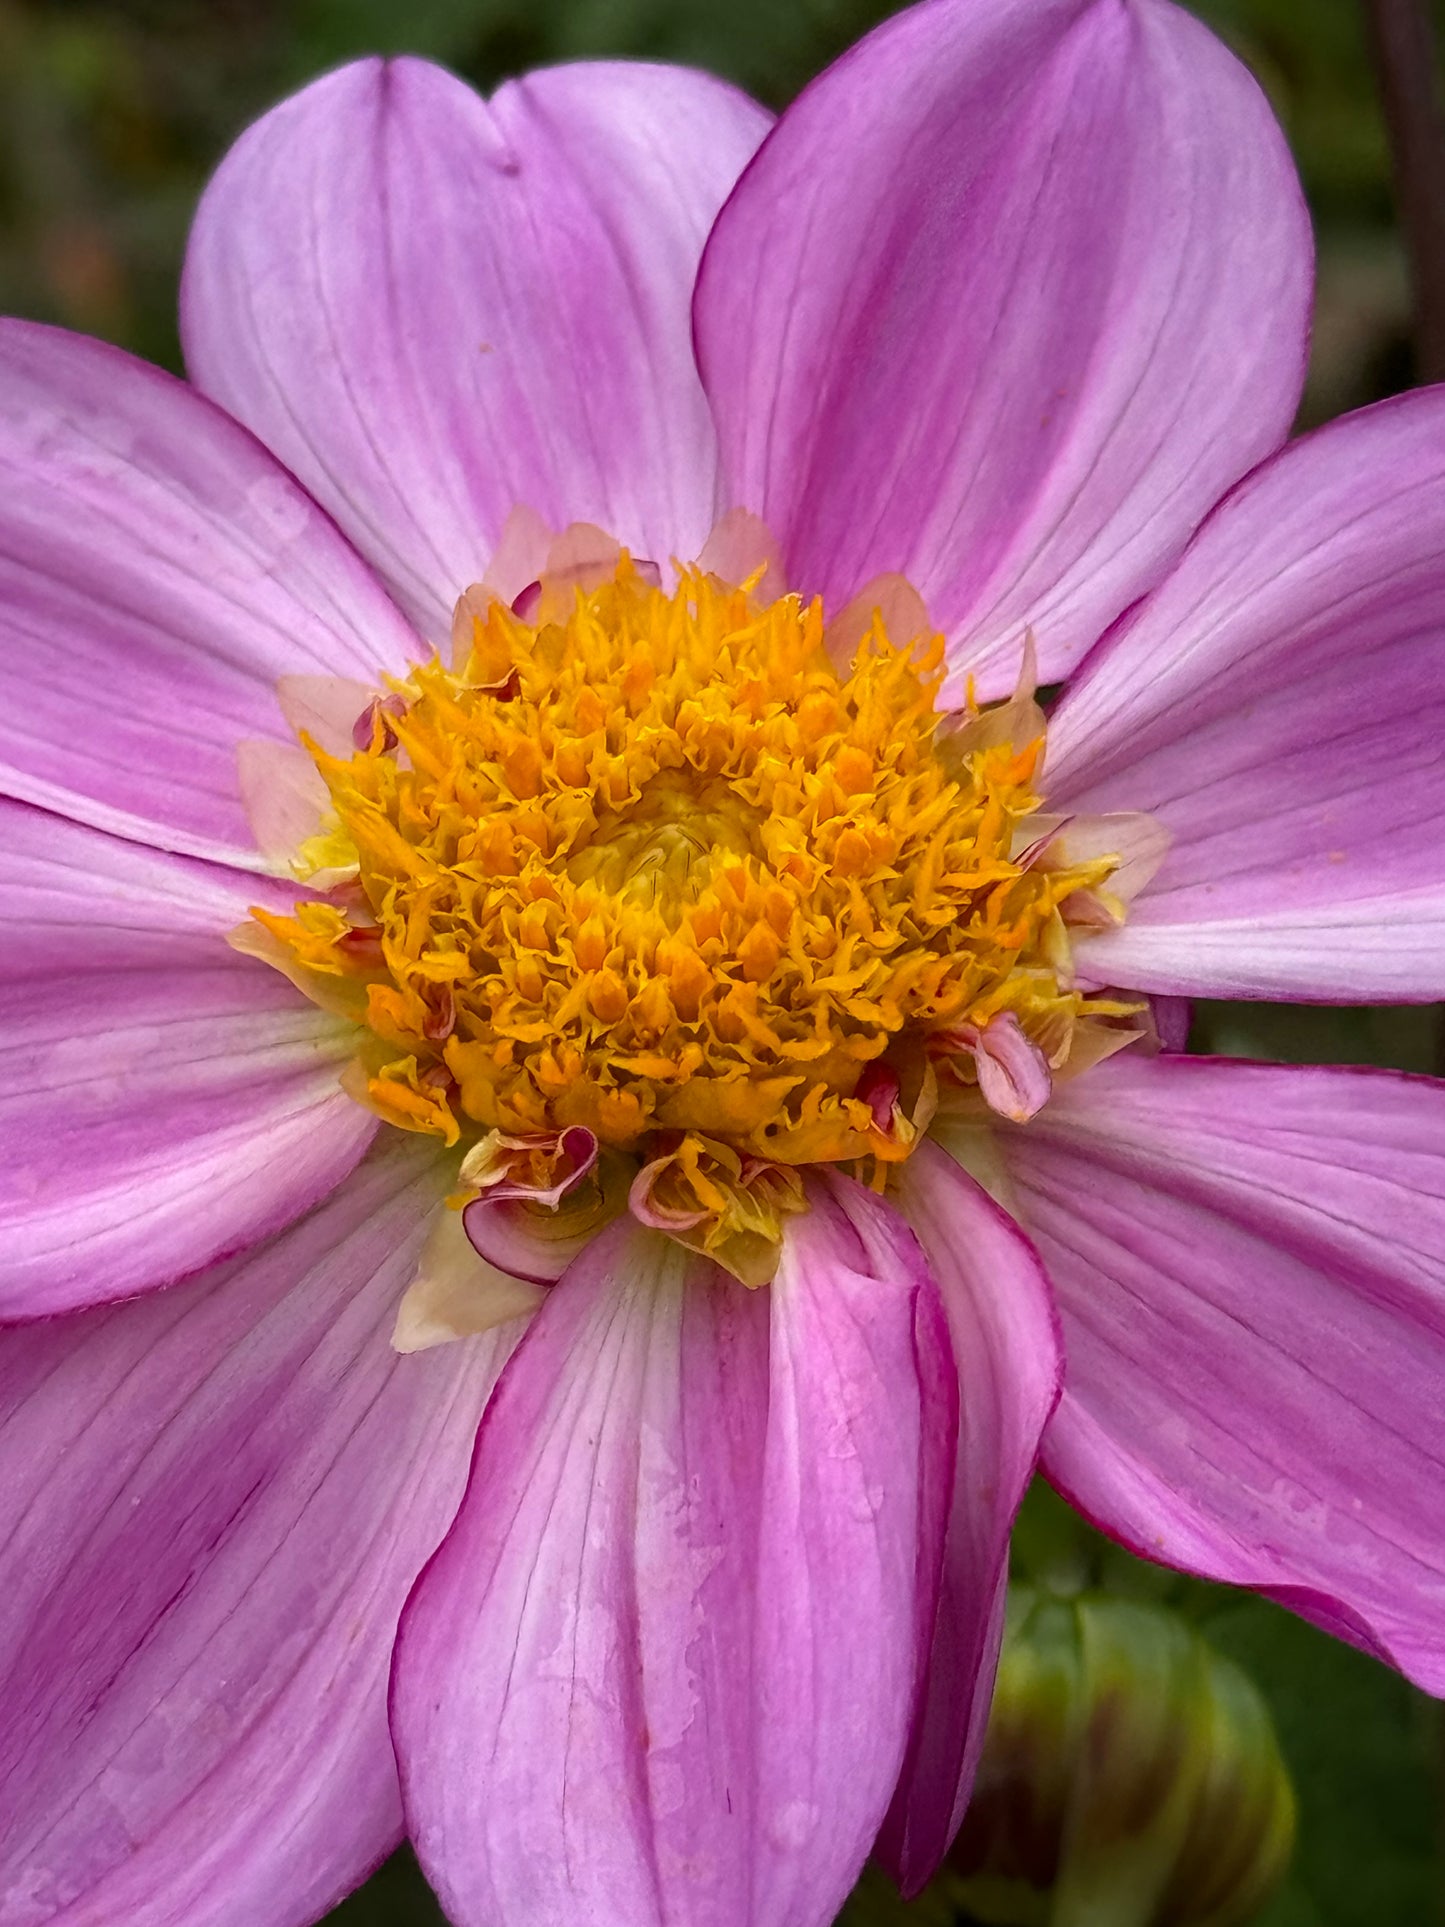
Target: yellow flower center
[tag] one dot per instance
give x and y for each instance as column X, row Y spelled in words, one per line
column 654, row 866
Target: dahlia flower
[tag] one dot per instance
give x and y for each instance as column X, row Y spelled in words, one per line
column 589, row 1077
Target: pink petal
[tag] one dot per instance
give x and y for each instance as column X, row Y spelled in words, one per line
column 1012, row 295
column 154, row 1121
column 79, row 900
column 1006, row 1347
column 1172, row 1017
column 664, row 1666
column 163, row 1102
column 521, row 1243
column 435, row 307
column 1279, row 705
column 158, row 572
column 215, row 1500
column 1250, row 1262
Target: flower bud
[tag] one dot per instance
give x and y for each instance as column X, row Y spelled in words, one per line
column 1130, row 1778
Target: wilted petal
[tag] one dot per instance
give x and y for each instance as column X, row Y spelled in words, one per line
column 434, row 307
column 158, row 573
column 663, row 1667
column 214, row 1502
column 1011, row 296
column 1278, row 705
column 541, row 1197
column 456, row 1293
column 1250, row 1263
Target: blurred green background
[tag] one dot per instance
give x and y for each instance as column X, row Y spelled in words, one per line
column 112, row 113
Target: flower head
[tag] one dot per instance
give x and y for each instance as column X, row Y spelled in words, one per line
column 540, row 1337
column 651, row 875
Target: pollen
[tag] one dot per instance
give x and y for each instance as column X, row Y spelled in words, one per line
column 650, row 863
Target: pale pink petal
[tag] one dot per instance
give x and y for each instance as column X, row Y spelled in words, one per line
column 285, row 799
column 890, row 601
column 581, row 559
column 515, row 563
column 1013, row 1074
column 1011, row 296
column 331, row 710
column 435, row 307
column 1278, row 706
column 456, row 1293
column 665, row 1664
column 214, row 1502
column 158, row 572
column 1009, row 1359
column 1171, row 1018
column 1250, row 1263
column 1137, row 842
column 742, row 548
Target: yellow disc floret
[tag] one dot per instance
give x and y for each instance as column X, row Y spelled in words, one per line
column 655, row 866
